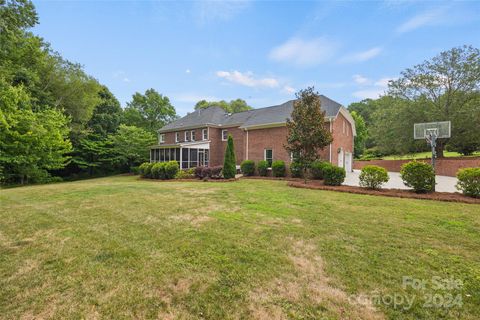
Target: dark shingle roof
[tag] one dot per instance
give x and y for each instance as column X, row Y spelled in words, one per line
column 256, row 117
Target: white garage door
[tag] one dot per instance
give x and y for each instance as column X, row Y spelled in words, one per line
column 348, row 161
column 340, row 158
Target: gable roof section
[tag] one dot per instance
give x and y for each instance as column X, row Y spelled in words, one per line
column 215, row 116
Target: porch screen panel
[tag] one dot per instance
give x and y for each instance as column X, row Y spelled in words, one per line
column 177, row 154
column 207, row 157
column 193, row 158
column 185, row 157
column 157, row 155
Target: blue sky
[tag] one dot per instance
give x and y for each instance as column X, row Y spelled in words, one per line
column 258, row 51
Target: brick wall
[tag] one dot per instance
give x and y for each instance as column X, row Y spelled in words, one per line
column 170, row 136
column 342, row 137
column 269, row 138
column 443, row 167
column 217, row 146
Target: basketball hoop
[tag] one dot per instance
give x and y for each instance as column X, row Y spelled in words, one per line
column 431, row 131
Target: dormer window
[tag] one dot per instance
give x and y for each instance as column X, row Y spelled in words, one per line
column 161, row 138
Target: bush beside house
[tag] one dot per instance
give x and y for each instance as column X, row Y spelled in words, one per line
column 418, row 175
column 262, row 168
column 469, row 182
column 373, row 177
column 278, row 168
column 229, row 164
column 296, row 170
column 317, row 168
column 248, row 167
column 333, row 175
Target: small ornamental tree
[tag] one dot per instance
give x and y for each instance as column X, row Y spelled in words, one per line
column 229, row 163
column 307, row 132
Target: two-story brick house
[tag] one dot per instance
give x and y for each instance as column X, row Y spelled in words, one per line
column 199, row 138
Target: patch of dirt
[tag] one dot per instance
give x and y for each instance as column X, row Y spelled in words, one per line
column 308, row 284
column 439, row 196
column 194, row 220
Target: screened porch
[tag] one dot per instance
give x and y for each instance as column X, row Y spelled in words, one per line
column 188, row 156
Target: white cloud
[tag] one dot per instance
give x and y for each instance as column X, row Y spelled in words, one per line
column 304, row 52
column 359, row 79
column 289, row 90
column 428, row 18
column 362, row 55
column 187, row 71
column 247, row 79
column 369, row 93
column 121, row 75
column 383, row 82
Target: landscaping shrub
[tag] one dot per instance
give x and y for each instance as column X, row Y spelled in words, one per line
column 296, row 170
column 171, row 169
column 262, row 168
column 278, row 168
column 199, row 172
column 158, row 170
column 216, row 172
column 248, row 167
column 135, row 170
column 373, row 177
column 418, row 175
column 333, row 175
column 142, row 167
column 317, row 168
column 186, row 174
column 469, row 182
column 148, row 170
column 229, row 164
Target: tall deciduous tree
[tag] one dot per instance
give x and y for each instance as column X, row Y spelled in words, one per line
column 444, row 85
column 131, row 145
column 229, row 161
column 149, row 111
column 31, row 143
column 233, row 106
column 307, row 132
column 362, row 134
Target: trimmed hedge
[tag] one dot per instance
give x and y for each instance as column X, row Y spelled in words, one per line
column 278, row 168
column 171, row 169
column 142, row 167
column 262, row 168
column 147, row 173
column 333, row 175
column 317, row 168
column 248, row 167
column 373, row 177
column 418, row 175
column 469, row 182
column 296, row 170
column 158, row 170
column 185, row 174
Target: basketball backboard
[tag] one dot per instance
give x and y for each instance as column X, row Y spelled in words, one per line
column 441, row 129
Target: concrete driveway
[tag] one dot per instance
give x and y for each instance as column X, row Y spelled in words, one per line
column 444, row 183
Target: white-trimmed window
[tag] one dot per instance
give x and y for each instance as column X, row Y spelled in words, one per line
column 268, row 156
column 177, row 136
column 161, row 138
column 205, row 134
column 224, row 135
column 186, row 136
column 192, row 135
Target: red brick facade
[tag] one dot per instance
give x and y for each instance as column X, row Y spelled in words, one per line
column 251, row 144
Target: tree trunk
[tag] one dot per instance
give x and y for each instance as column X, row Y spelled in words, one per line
column 305, row 175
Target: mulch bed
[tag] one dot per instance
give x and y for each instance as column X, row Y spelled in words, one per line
column 439, row 196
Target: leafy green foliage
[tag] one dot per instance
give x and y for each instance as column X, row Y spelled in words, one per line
column 147, row 170
column 469, row 181
column 296, row 170
column 233, row 106
column 185, row 174
column 171, row 169
column 278, row 168
column 262, row 168
column 130, row 145
column 373, row 177
column 149, row 111
column 31, row 143
column 362, row 134
column 158, row 170
column 142, row 168
column 229, row 163
column 317, row 168
column 248, row 167
column 107, row 114
column 418, row 175
column 333, row 175
column 307, row 132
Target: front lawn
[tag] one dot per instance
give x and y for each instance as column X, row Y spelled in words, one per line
column 121, row 247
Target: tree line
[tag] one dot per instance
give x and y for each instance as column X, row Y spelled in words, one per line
column 56, row 121
column 444, row 88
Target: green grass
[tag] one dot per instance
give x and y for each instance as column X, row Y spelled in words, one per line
column 428, row 154
column 123, row 248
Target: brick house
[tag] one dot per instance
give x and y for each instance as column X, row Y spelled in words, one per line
column 200, row 137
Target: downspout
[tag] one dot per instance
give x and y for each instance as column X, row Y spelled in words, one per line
column 246, row 156
column 330, row 146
